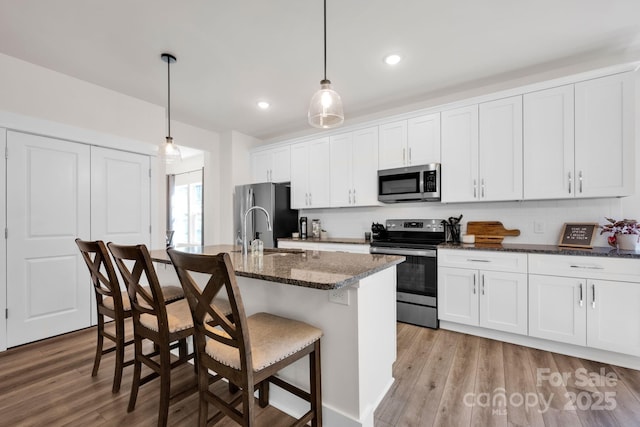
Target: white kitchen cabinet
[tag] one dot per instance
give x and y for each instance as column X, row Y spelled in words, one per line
column 613, row 317
column 460, row 154
column 483, row 289
column 548, row 140
column 310, row 165
column 569, row 292
column 271, row 165
column 604, row 136
column 557, row 308
column 353, row 175
column 500, row 150
column 410, row 142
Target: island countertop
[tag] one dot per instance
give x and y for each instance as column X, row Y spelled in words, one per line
column 311, row 269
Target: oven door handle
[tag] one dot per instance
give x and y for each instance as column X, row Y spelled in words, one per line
column 430, row 253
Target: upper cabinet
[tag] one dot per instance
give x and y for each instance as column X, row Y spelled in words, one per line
column 604, row 123
column 586, row 152
column 271, row 165
column 549, row 144
column 310, row 164
column 482, row 152
column 354, row 160
column 410, row 142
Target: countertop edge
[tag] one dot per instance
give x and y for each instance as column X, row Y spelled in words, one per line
column 341, row 240
column 597, row 251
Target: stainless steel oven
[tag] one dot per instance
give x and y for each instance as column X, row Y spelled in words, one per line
column 417, row 277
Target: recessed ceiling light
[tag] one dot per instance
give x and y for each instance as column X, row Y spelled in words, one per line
column 263, row 105
column 392, row 59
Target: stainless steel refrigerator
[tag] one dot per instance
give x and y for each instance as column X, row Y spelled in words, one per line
column 276, row 199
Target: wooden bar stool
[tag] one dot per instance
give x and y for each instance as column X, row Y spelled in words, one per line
column 247, row 351
column 166, row 325
column 110, row 302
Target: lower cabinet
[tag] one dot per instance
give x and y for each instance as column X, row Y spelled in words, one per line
column 486, row 296
column 600, row 314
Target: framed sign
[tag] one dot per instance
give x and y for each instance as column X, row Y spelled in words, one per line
column 578, row 235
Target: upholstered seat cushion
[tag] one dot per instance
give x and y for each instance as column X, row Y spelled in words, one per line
column 170, row 293
column 273, row 338
column 179, row 315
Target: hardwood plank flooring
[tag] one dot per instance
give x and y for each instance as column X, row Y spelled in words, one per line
column 443, row 379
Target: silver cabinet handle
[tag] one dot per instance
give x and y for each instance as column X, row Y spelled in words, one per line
column 474, row 283
column 593, row 295
column 409, row 155
column 478, row 260
column 569, row 182
column 482, row 186
column 404, row 156
column 580, row 178
column 354, row 196
column 310, row 200
column 475, row 188
column 587, row 267
column 581, row 299
column 350, row 202
column 482, row 283
column 306, row 199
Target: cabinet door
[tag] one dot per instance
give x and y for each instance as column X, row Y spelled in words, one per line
column 460, row 154
column 458, row 295
column 500, row 149
column 280, row 164
column 604, row 161
column 260, row 166
column 48, row 206
column 557, row 309
column 364, row 167
column 548, row 144
column 299, row 187
column 503, row 301
column 423, row 139
column 613, row 317
column 318, row 169
column 393, row 145
column 341, row 170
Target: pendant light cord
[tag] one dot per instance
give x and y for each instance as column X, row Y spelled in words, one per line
column 325, row 39
column 169, row 96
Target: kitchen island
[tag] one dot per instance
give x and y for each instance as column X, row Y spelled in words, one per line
column 351, row 297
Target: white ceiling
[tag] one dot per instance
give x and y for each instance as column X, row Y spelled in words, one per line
column 233, row 53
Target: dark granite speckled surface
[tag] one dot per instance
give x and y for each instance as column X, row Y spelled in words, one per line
column 311, row 269
column 599, row 251
column 350, row 240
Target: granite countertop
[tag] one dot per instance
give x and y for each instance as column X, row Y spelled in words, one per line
column 349, row 240
column 599, row 251
column 311, row 269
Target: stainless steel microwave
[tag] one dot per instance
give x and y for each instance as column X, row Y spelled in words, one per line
column 410, row 184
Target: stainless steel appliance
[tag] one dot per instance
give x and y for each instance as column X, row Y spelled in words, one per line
column 417, row 277
column 410, row 184
column 275, row 199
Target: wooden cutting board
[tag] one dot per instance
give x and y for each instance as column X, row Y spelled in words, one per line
column 489, row 231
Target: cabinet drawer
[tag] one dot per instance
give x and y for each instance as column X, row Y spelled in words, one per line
column 587, row 267
column 483, row 260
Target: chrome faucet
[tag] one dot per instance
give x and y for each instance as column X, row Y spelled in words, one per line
column 245, row 243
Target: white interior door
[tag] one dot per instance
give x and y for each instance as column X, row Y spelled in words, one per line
column 3, row 247
column 48, row 206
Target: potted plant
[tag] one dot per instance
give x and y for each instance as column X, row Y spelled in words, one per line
column 625, row 233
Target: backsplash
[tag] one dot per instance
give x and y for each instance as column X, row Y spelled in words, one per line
column 550, row 215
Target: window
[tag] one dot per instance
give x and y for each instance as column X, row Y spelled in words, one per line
column 185, row 208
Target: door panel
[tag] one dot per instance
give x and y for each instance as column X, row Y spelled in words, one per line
column 48, row 206
column 503, row 301
column 458, row 295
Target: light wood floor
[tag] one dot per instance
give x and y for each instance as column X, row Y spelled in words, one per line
column 442, row 379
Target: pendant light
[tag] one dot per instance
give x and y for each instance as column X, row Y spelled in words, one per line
column 170, row 150
column 325, row 108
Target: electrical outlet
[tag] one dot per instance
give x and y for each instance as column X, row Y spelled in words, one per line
column 339, row 296
column 538, row 227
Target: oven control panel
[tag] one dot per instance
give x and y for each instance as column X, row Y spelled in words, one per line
column 419, row 225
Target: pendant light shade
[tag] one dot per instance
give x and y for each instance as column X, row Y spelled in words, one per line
column 170, row 150
column 325, row 108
